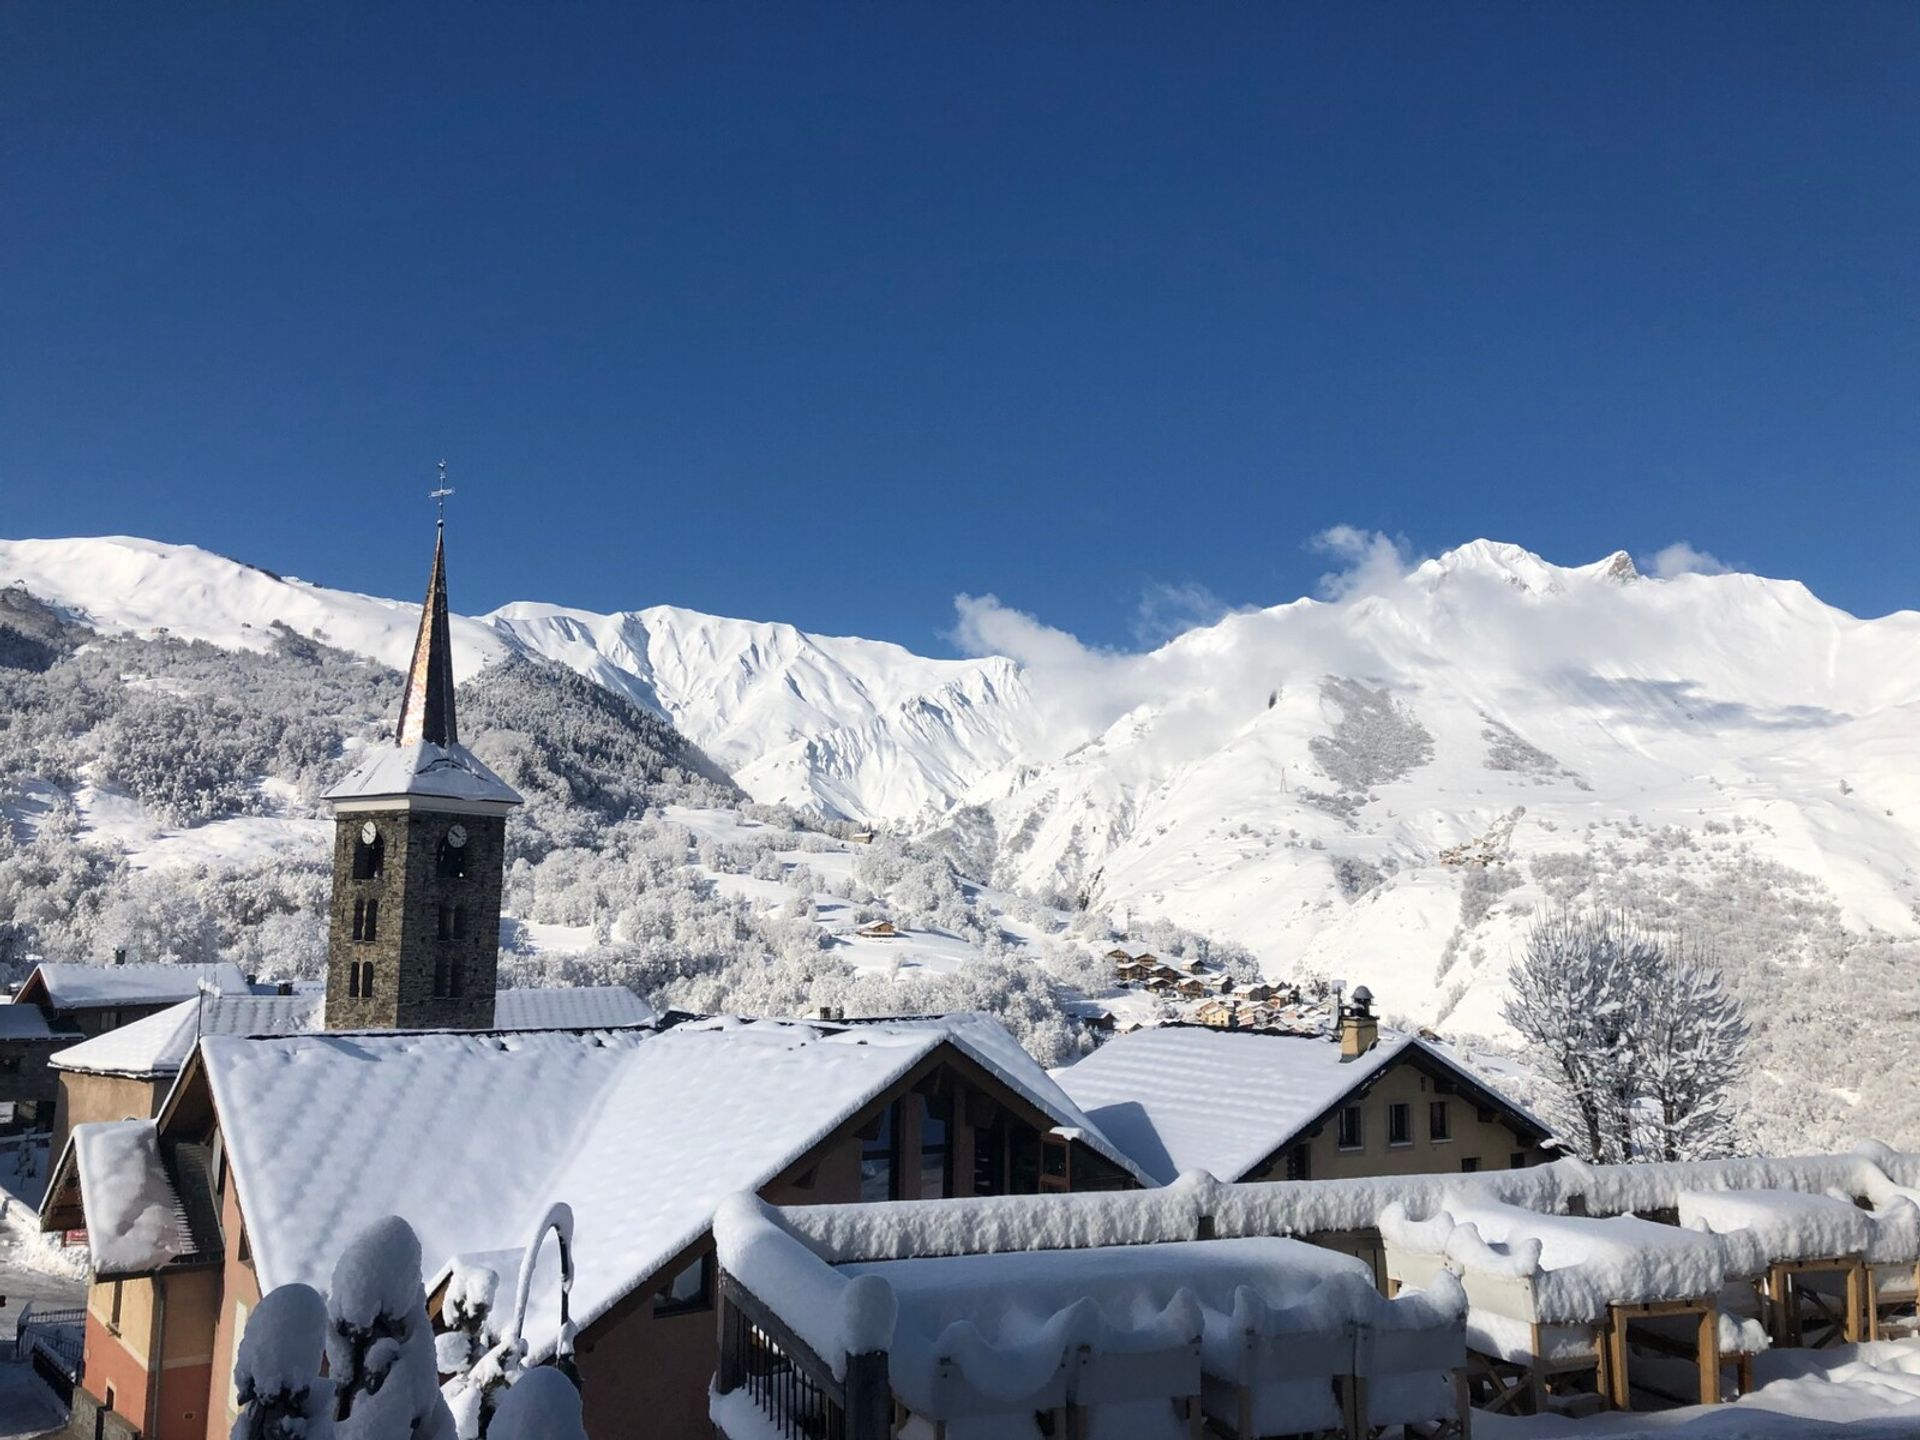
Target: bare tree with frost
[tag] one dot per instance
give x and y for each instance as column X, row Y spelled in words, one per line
column 1571, row 996
column 1692, row 1054
column 1644, row 1044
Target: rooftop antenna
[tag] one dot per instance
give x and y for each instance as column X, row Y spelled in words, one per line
column 439, row 497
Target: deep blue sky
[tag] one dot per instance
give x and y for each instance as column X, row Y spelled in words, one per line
column 826, row 312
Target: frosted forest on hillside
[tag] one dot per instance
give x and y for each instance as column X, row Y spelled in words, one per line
column 195, row 734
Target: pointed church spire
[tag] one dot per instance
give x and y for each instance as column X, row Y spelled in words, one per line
column 426, row 707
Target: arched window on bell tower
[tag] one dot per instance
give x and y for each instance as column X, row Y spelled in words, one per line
column 453, row 856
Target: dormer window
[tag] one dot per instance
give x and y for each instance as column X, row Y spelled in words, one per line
column 369, row 852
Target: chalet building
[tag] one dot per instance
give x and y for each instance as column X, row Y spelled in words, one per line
column 61, row 1003
column 273, row 1153
column 82, row 999
column 877, row 930
column 468, row 1112
column 1248, row 1106
column 126, row 1073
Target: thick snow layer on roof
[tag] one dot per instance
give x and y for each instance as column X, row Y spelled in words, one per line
column 72, row 986
column 441, row 772
column 134, row 1218
column 1181, row 1098
column 159, row 1044
column 642, row 1134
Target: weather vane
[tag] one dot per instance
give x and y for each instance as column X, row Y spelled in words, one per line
column 439, row 497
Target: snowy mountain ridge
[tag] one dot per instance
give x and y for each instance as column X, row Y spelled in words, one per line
column 1382, row 788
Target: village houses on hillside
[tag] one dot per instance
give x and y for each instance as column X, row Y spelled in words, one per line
column 428, row 1095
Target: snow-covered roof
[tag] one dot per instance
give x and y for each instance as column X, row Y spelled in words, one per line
column 424, row 769
column 570, row 1007
column 25, row 1022
column 159, row 1044
column 73, row 986
column 1179, row 1098
column 135, row 1221
column 643, row 1134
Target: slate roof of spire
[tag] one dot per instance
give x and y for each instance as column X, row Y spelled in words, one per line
column 426, row 706
column 427, row 758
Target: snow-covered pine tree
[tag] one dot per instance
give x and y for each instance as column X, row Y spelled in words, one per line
column 282, row 1394
column 380, row 1348
column 1691, row 1055
column 470, row 1351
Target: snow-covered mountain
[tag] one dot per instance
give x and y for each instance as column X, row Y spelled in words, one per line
column 1381, row 788
column 860, row 728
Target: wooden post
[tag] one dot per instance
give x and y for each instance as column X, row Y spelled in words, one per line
column 1860, row 1306
column 1709, row 1356
column 1356, row 1408
column 1463, row 1403
column 1617, row 1360
column 869, row 1397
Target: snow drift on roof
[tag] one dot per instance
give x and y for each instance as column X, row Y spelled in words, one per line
column 72, row 986
column 134, row 1218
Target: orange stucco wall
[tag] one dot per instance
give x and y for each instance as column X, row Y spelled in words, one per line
column 238, row 1286
column 111, row 1364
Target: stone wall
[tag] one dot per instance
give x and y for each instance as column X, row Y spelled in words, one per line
column 407, row 952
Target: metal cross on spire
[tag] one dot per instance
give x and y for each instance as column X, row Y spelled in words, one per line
column 439, row 497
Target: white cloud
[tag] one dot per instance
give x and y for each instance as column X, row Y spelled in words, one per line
column 1371, row 560
column 1166, row 611
column 1681, row 558
column 986, row 627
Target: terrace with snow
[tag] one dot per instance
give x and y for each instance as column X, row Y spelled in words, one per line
column 1729, row 1298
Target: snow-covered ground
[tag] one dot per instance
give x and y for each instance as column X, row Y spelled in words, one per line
column 1852, row 1392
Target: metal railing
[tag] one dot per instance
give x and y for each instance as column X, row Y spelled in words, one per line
column 792, row 1386
column 54, row 1342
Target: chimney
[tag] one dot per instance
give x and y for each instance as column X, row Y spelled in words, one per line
column 1359, row 1030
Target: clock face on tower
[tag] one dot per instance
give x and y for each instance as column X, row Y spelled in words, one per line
column 369, row 833
column 457, row 836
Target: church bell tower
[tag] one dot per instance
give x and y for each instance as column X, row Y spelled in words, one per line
column 419, row 855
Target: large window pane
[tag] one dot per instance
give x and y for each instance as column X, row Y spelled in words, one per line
column 879, row 1160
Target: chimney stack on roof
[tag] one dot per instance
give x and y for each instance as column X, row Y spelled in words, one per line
column 1359, row 1029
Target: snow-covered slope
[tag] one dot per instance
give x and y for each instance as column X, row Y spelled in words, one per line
column 860, row 728
column 1364, row 787
column 1381, row 788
